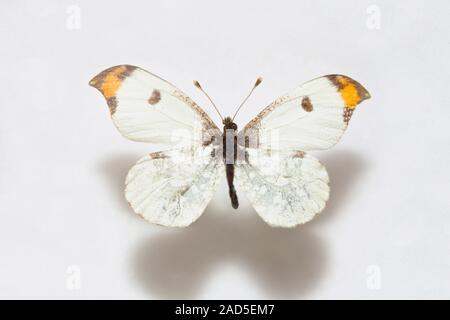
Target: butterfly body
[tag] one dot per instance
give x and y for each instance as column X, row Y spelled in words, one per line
column 268, row 158
column 230, row 152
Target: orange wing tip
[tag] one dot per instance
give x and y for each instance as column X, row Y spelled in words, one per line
column 108, row 81
column 351, row 91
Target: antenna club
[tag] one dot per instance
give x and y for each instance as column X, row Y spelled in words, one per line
column 197, row 84
column 257, row 83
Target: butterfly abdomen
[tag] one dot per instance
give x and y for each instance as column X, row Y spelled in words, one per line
column 231, row 190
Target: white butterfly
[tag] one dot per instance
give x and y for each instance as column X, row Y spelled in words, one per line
column 285, row 185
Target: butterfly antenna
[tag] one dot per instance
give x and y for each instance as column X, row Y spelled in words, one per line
column 197, row 84
column 257, row 83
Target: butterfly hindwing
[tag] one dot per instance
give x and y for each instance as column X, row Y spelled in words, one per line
column 313, row 116
column 173, row 188
column 286, row 189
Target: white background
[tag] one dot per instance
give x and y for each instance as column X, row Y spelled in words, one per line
column 385, row 232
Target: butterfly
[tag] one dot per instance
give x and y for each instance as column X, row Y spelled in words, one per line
column 268, row 157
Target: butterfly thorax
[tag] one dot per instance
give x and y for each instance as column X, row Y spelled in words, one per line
column 229, row 140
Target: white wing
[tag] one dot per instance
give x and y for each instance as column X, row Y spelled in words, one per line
column 147, row 108
column 173, row 188
column 285, row 189
column 311, row 117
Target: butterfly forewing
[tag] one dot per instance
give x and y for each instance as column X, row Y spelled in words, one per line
column 146, row 108
column 313, row 116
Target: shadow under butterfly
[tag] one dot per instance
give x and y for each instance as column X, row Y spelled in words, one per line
column 286, row 263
